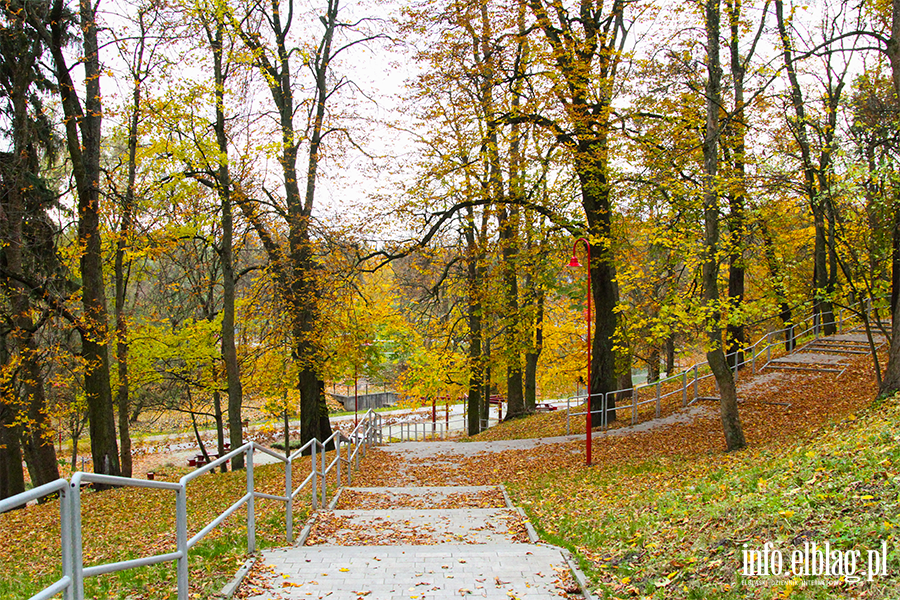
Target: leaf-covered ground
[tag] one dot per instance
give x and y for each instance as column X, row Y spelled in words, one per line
column 663, row 513
column 666, row 513
column 128, row 523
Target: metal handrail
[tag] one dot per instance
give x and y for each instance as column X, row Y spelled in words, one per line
column 64, row 583
column 71, row 584
column 814, row 328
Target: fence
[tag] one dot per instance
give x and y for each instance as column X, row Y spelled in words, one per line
column 423, row 431
column 71, row 584
column 439, row 427
column 688, row 382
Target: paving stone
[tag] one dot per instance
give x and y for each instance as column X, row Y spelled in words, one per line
column 491, row 564
column 416, row 572
column 812, row 358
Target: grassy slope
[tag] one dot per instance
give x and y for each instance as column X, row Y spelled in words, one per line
column 672, row 527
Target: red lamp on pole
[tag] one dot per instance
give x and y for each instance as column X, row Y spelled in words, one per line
column 574, row 263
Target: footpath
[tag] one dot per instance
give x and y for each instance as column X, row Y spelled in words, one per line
column 464, row 541
column 416, row 543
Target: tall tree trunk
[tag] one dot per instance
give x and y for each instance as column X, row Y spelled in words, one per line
column 226, row 253
column 735, row 332
column 586, row 62
column 38, row 435
column 653, row 365
column 515, row 395
column 891, row 382
column 473, row 290
column 534, row 352
column 95, row 344
column 220, row 427
column 816, row 178
column 12, row 478
column 83, row 144
column 603, row 289
column 35, row 428
column 126, row 228
column 731, row 423
column 486, row 362
column 670, row 355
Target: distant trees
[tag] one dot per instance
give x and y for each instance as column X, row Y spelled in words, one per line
column 539, row 121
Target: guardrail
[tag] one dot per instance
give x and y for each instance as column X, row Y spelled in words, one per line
column 71, row 584
column 808, row 328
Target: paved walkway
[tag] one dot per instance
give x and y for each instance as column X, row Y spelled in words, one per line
column 416, row 543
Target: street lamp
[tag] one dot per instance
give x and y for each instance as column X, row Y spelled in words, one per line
column 575, row 264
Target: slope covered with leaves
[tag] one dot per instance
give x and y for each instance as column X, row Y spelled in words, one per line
column 672, row 527
column 128, row 523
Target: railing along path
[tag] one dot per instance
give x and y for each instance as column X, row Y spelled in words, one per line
column 74, row 572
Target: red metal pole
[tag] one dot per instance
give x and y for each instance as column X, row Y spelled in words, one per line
column 590, row 344
column 355, row 396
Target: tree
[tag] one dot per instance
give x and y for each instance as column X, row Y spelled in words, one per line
column 27, row 256
column 294, row 268
column 817, row 170
column 585, row 50
column 142, row 60
column 731, row 423
column 889, row 43
column 83, row 141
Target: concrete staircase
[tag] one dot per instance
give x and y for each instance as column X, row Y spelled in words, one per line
column 417, row 543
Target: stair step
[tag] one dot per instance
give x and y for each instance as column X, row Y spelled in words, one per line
column 418, row 526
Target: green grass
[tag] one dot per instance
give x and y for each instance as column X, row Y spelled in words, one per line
column 675, row 527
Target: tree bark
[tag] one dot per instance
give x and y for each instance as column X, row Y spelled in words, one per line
column 226, row 253
column 12, row 478
column 295, row 273
column 731, row 423
column 533, row 354
column 586, row 60
column 126, row 230
column 890, row 384
column 816, row 179
column 83, row 145
column 474, row 290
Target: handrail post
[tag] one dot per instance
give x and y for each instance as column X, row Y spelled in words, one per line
column 657, row 398
column 349, row 466
column 633, row 406
column 289, row 505
column 77, row 548
column 605, row 417
column 337, row 452
column 251, row 505
column 65, row 537
column 181, row 541
column 324, row 480
column 315, row 477
column 696, row 385
column 684, row 388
